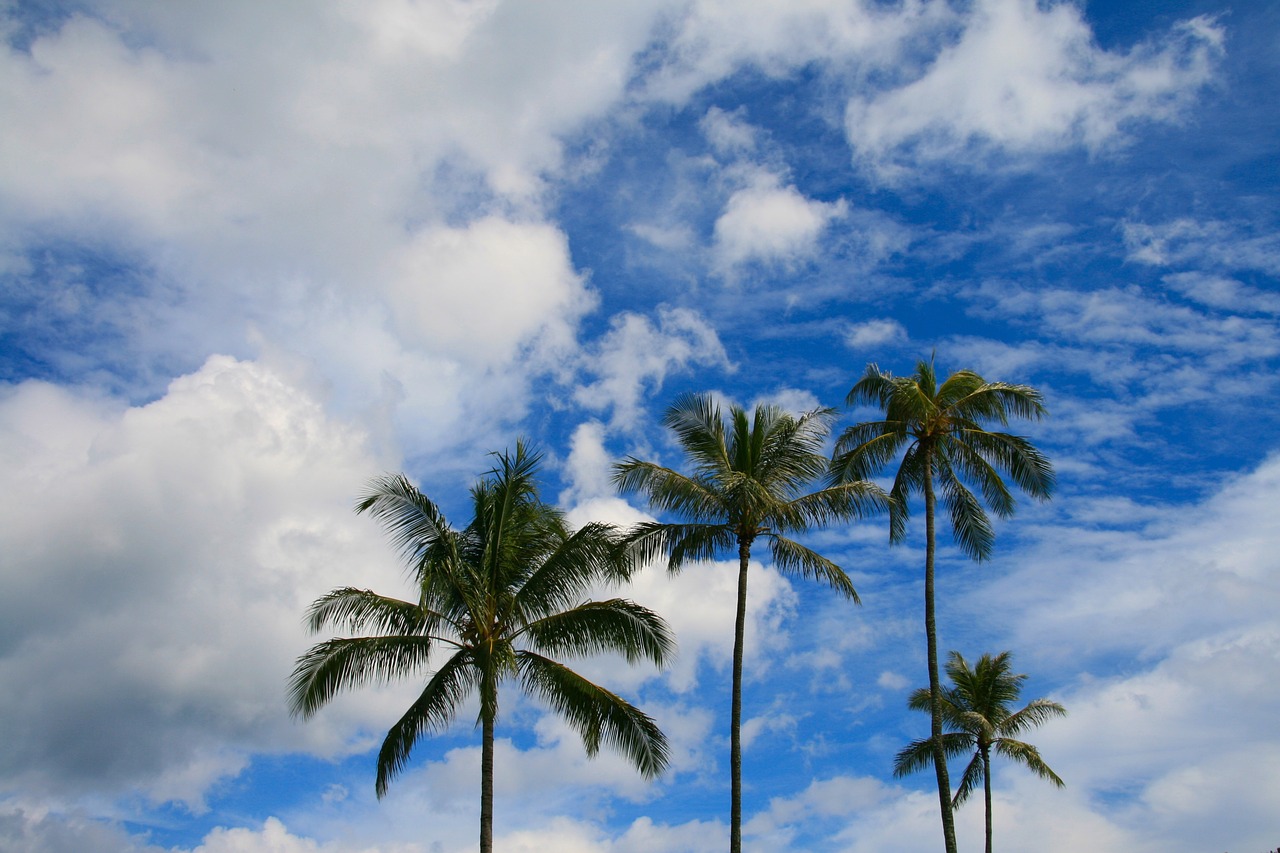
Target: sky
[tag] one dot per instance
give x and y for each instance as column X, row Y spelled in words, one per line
column 253, row 255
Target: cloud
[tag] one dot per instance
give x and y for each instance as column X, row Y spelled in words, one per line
column 770, row 223
column 636, row 355
column 715, row 38
column 159, row 559
column 1026, row 77
column 1188, row 242
column 874, row 334
column 488, row 291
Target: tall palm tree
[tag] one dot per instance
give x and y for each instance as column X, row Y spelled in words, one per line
column 749, row 482
column 977, row 713
column 940, row 432
column 502, row 598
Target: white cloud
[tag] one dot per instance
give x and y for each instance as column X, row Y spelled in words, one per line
column 728, row 132
column 1187, row 242
column 714, row 38
column 488, row 290
column 1023, row 76
column 158, row 561
column 635, row 356
column 1224, row 293
column 770, row 223
column 871, row 334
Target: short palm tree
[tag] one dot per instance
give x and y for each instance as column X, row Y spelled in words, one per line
column 502, row 598
column 940, row 434
column 977, row 715
column 750, row 479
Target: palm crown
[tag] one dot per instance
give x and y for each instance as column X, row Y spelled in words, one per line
column 749, row 481
column 500, row 599
column 942, row 426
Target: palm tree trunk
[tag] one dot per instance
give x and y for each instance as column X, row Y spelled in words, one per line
column 735, row 722
column 986, row 784
column 935, row 689
column 486, row 786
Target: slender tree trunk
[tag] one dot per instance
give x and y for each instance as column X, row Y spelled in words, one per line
column 986, row 784
column 486, row 786
column 735, row 722
column 931, row 636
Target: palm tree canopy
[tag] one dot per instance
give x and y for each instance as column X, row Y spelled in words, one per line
column 977, row 711
column 750, row 476
column 944, row 426
column 502, row 598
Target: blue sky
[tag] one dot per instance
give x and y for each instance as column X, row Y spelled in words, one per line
column 252, row 255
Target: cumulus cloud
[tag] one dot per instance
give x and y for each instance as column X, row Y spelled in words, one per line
column 770, row 223
column 158, row 562
column 487, row 291
column 1022, row 76
column 873, row 334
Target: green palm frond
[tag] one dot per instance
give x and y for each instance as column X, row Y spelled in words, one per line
column 792, row 558
column 345, row 663
column 970, row 780
column 668, row 490
column 617, row 625
column 972, row 467
column 1028, row 756
column 362, row 610
column 600, row 717
column 591, row 554
column 433, row 711
column 1027, row 466
column 918, row 754
column 1034, row 715
column 969, row 523
column 680, row 542
column 837, row 502
column 699, row 428
column 414, row 523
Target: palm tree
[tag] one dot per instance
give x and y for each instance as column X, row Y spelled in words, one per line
column 749, row 482
column 946, row 443
column 976, row 712
column 501, row 599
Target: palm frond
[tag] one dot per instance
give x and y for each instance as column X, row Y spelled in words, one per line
column 918, row 754
column 970, row 464
column 362, row 610
column 432, row 711
column 969, row 523
column 667, row 490
column 973, row 776
column 792, row 558
column 344, row 663
column 615, row 626
column 680, row 543
column 1030, row 469
column 414, row 523
column 1034, row 715
column 560, row 578
column 699, row 427
column 838, row 502
column 1029, row 757
column 998, row 401
column 864, row 449
column 875, row 387
column 599, row 716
